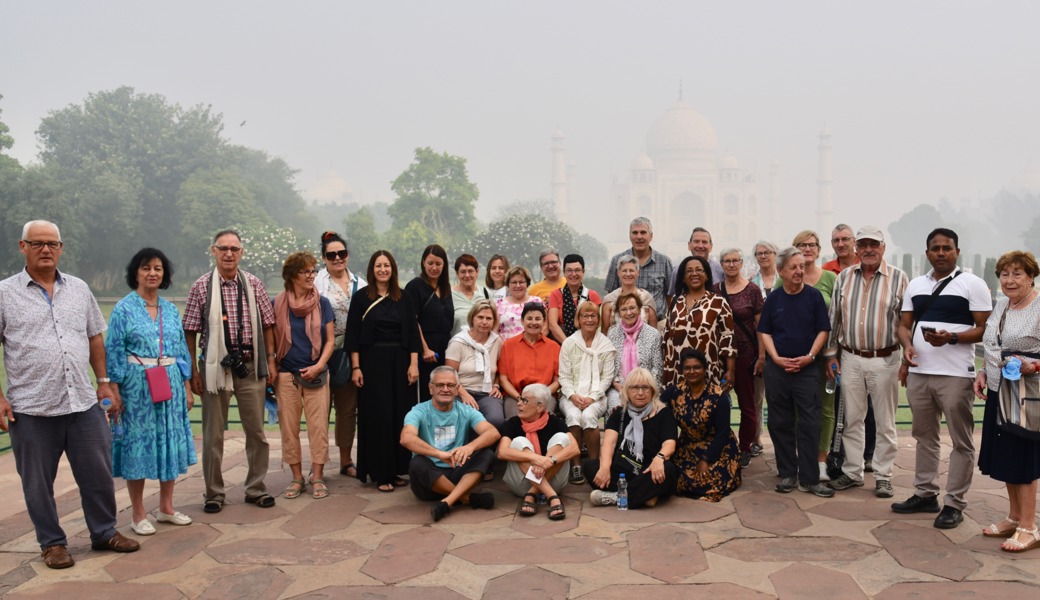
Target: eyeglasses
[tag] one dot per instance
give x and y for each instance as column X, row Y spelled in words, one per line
column 550, row 263
column 37, row 245
column 590, row 316
column 844, row 240
column 695, row 272
column 226, row 249
column 765, row 253
column 574, row 271
column 444, row 386
column 525, row 401
column 732, row 261
column 807, row 245
column 341, row 254
column 640, row 388
column 308, row 273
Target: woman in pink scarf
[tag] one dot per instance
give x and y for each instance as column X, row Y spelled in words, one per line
column 304, row 335
column 637, row 344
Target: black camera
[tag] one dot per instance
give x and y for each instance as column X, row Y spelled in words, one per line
column 235, row 363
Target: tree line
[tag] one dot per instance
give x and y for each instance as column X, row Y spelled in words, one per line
column 123, row 170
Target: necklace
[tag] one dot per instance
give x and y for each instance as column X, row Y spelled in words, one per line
column 1029, row 296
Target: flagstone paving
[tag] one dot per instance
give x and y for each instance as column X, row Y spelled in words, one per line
column 361, row 543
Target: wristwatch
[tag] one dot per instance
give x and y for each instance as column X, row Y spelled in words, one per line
column 953, row 339
column 104, row 380
column 552, row 458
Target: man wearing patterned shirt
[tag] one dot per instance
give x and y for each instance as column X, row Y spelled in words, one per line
column 865, row 313
column 655, row 269
column 50, row 327
column 232, row 311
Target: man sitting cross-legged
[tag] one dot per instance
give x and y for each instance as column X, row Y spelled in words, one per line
column 444, row 467
column 536, row 444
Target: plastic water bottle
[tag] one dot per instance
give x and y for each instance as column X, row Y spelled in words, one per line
column 832, row 384
column 622, row 492
column 117, row 426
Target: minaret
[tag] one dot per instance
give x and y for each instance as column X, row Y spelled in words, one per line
column 559, row 177
column 824, row 193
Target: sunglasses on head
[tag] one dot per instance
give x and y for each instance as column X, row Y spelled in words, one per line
column 333, row 255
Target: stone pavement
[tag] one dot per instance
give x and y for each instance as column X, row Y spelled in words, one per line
column 363, row 543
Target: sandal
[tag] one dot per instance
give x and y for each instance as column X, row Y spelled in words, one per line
column 528, row 509
column 1013, row 544
column 386, row 487
column 263, row 500
column 489, row 476
column 296, row 487
column 995, row 530
column 318, row 489
column 212, row 506
column 556, row 511
column 398, row 482
column 349, row 470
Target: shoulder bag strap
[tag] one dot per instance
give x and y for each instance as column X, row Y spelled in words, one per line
column 928, row 303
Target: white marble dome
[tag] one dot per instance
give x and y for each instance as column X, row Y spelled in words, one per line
column 679, row 131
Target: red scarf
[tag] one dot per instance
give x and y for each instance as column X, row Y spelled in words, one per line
column 531, row 430
column 308, row 307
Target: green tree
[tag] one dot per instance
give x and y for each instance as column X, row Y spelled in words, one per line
column 362, row 239
column 522, row 237
column 265, row 248
column 910, row 230
column 407, row 245
column 435, row 192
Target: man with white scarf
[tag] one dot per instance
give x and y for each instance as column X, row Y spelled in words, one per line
column 228, row 307
column 586, row 372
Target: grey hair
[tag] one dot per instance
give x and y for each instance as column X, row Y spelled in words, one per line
column 539, row 392
column 769, row 246
column 784, row 255
column 841, row 227
column 31, row 224
column 547, row 253
column 444, row 369
column 641, row 221
column 726, row 251
column 626, row 260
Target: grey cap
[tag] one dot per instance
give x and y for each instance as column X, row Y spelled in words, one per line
column 870, row 232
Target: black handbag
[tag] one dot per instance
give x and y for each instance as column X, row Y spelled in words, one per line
column 339, row 368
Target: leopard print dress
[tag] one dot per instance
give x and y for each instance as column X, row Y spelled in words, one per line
column 706, row 325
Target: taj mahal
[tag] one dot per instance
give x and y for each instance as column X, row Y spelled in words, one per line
column 682, row 181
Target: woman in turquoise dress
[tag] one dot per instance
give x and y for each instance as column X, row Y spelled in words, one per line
column 157, row 442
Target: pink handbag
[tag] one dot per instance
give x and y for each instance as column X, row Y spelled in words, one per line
column 157, row 377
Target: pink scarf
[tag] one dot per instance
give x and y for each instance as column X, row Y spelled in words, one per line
column 629, row 351
column 310, row 309
column 531, row 430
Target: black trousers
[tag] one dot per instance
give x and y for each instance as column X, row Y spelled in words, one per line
column 794, row 421
column 641, row 486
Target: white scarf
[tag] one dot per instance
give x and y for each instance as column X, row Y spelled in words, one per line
column 217, row 377
column 588, row 382
column 481, row 355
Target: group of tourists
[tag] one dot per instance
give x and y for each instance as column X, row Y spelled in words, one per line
column 439, row 383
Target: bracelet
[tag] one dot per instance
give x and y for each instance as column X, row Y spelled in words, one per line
column 104, row 380
column 271, row 355
column 355, row 368
column 662, row 456
column 553, row 459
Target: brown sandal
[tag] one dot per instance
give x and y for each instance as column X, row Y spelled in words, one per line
column 528, row 509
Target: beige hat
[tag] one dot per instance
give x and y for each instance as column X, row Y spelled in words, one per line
column 870, row 233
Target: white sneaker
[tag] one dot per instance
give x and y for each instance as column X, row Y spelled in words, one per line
column 823, row 472
column 144, row 527
column 177, row 518
column 602, row 498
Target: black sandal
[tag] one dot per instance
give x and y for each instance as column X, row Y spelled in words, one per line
column 212, row 506
column 556, row 512
column 528, row 509
column 346, row 470
column 263, row 500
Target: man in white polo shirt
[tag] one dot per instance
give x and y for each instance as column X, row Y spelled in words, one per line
column 944, row 314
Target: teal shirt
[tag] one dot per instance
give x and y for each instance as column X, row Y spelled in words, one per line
column 444, row 431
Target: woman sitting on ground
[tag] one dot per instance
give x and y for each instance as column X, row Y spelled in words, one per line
column 639, row 441
column 707, row 454
column 538, row 443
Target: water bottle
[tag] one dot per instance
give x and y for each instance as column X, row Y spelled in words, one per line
column 622, row 492
column 832, row 384
column 117, row 426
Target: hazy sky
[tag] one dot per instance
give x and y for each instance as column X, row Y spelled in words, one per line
column 924, row 99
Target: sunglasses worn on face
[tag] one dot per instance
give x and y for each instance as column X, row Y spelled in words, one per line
column 333, row 255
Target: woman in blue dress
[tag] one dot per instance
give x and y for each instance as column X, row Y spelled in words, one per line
column 144, row 332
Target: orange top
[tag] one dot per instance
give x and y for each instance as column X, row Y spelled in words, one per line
column 524, row 363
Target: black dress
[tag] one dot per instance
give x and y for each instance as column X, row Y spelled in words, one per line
column 384, row 338
column 436, row 316
column 641, row 487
